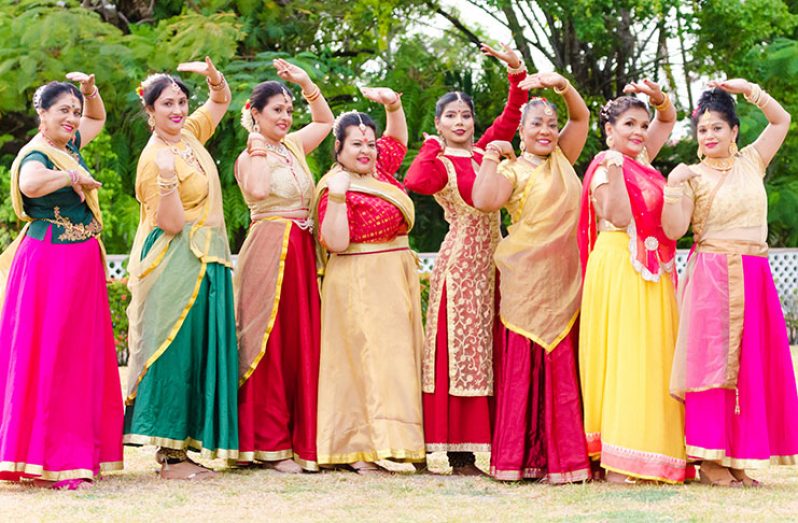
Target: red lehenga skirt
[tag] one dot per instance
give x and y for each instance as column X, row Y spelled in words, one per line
column 539, row 432
column 456, row 423
column 277, row 404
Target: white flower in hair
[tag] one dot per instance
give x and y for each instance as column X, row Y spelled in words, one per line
column 337, row 123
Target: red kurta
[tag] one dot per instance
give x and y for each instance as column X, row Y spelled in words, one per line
column 462, row 421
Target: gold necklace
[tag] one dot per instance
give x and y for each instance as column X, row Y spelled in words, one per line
column 187, row 154
column 280, row 150
column 52, row 144
column 534, row 159
column 719, row 164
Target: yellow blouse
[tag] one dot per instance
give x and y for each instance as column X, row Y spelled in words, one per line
column 193, row 182
column 739, row 209
column 291, row 187
column 601, row 177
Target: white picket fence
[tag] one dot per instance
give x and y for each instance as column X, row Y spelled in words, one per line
column 783, row 263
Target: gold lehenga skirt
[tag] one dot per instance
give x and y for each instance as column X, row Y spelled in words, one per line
column 370, row 370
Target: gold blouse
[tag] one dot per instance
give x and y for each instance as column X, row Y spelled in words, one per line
column 193, row 182
column 291, row 186
column 739, row 209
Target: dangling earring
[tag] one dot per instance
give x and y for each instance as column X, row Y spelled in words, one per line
column 522, row 146
column 733, row 150
column 256, row 128
column 700, row 153
column 610, row 141
column 151, row 122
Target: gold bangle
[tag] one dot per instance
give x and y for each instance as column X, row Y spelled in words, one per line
column 673, row 192
column 93, row 94
column 395, row 106
column 562, row 91
column 612, row 158
column 336, row 197
column 218, row 86
column 492, row 157
column 517, row 70
column 313, row 95
column 664, row 104
column 754, row 95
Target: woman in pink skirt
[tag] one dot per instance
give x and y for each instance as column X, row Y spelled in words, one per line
column 60, row 397
column 732, row 366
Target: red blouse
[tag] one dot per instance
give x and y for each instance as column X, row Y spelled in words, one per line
column 372, row 219
column 427, row 174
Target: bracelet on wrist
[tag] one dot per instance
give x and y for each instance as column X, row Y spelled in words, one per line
column 613, row 158
column 313, row 95
column 517, row 70
column 673, row 192
column 91, row 95
column 561, row 90
column 664, row 105
column 217, row 86
column 491, row 156
column 336, row 197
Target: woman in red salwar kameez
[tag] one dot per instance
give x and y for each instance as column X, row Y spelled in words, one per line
column 459, row 343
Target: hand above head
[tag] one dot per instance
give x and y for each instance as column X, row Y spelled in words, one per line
column 543, row 81
column 502, row 148
column 165, row 161
column 506, row 55
column 289, row 72
column 205, row 68
column 680, row 174
column 648, row 88
column 381, row 95
column 86, row 81
column 733, row 86
column 339, row 182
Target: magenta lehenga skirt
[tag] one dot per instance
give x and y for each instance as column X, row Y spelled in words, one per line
column 60, row 396
column 758, row 423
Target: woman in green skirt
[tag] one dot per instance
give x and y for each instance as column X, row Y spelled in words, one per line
column 182, row 374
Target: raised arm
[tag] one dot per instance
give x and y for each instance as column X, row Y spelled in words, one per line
column 93, row 119
column 220, row 96
column 492, row 190
column 771, row 138
column 505, row 125
column 170, row 215
column 611, row 199
column 395, row 123
column 36, row 180
column 252, row 170
column 426, row 174
column 665, row 119
column 322, row 116
column 574, row 134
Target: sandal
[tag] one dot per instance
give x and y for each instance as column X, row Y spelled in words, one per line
column 710, row 473
column 745, row 479
column 365, row 468
column 187, row 470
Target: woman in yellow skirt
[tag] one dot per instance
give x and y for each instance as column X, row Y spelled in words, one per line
column 629, row 320
column 371, row 334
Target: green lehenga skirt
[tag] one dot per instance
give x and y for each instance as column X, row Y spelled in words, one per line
column 188, row 397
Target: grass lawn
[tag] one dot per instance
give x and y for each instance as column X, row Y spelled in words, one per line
column 138, row 495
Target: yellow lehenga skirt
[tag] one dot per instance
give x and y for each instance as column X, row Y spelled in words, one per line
column 627, row 336
column 370, row 369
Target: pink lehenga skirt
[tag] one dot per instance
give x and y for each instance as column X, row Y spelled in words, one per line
column 757, row 423
column 60, row 396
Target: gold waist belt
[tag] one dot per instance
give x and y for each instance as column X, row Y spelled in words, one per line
column 733, row 247
column 397, row 244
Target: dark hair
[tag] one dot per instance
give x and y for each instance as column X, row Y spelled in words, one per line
column 154, row 85
column 453, row 96
column 536, row 102
column 262, row 93
column 46, row 95
column 347, row 120
column 613, row 109
column 718, row 101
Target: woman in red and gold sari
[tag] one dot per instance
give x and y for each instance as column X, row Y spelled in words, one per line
column 371, row 334
column 732, row 367
column 627, row 332
column 538, row 432
column 459, row 341
column 277, row 295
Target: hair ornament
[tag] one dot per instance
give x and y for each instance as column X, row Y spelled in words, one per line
column 247, row 120
column 337, row 123
column 140, row 92
column 705, row 117
column 694, row 113
column 247, row 104
column 37, row 97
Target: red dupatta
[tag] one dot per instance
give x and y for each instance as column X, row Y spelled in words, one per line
column 652, row 253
